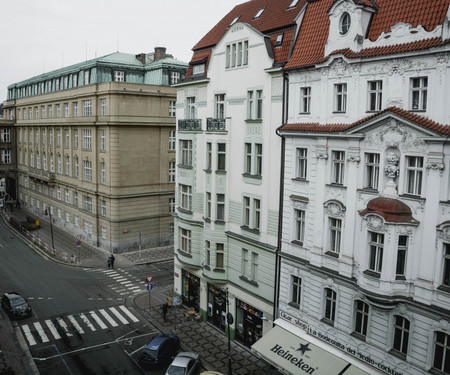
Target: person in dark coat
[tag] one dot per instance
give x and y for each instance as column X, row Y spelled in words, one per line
column 164, row 309
column 112, row 260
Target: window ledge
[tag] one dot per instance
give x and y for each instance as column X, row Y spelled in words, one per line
column 219, row 222
column 336, row 185
column 358, row 336
column 300, row 179
column 304, row 113
column 400, row 278
column 219, row 270
column 444, row 288
column 411, row 196
column 297, row 242
column 253, row 121
column 184, row 211
column 368, row 190
column 339, row 112
column 397, row 354
column 252, row 282
column 254, row 176
column 252, row 230
column 372, row 274
column 418, row 110
column 207, row 219
column 184, row 253
column 332, row 254
column 221, row 171
column 185, row 166
column 207, row 170
column 206, row 267
column 327, row 321
column 294, row 305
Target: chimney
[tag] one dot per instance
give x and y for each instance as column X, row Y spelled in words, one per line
column 141, row 57
column 160, row 53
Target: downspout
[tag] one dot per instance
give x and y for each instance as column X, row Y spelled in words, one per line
column 281, row 192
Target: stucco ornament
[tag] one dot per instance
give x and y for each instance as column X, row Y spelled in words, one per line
column 375, row 223
column 391, row 171
column 435, row 166
column 334, row 209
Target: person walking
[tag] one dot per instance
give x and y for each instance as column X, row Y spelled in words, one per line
column 164, row 309
column 112, row 260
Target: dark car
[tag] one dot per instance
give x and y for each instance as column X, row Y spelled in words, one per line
column 15, row 305
column 160, row 350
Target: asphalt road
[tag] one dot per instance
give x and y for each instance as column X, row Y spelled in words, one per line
column 80, row 323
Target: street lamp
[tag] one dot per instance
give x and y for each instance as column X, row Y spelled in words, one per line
column 229, row 321
column 49, row 213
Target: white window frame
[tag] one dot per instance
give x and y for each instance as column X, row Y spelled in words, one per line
column 301, row 169
column 376, row 247
column 414, row 175
column 87, row 170
column 374, row 95
column 338, row 167
column 419, row 93
column 186, row 197
column 335, row 235
column 340, row 97
column 372, row 171
column 305, row 100
column 185, row 243
column 102, row 139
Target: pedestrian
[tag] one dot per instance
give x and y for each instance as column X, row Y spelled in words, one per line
column 164, row 309
column 109, row 262
column 112, row 260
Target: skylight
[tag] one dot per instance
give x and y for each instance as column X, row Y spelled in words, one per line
column 279, row 40
column 259, row 13
column 234, row 21
column 293, row 4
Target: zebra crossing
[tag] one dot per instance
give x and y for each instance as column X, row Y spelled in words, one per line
column 91, row 321
column 121, row 281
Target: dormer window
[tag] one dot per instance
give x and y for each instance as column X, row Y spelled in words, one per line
column 259, row 13
column 344, row 23
column 198, row 69
column 234, row 21
column 293, row 4
column 279, row 40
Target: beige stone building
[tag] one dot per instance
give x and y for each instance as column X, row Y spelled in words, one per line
column 96, row 148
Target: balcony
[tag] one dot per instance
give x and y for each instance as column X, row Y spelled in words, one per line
column 216, row 125
column 190, row 125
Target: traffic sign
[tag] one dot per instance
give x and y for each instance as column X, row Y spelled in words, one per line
column 175, row 301
column 149, row 287
column 149, row 279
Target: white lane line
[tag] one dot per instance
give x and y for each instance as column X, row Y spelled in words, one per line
column 134, row 287
column 128, row 312
column 124, row 282
column 87, row 322
column 75, row 324
column 41, row 332
column 117, row 314
column 63, row 325
column 118, row 277
column 109, row 271
column 98, row 320
column 52, row 329
column 28, row 334
column 108, row 318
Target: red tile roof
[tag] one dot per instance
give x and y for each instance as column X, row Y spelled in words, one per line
column 340, row 128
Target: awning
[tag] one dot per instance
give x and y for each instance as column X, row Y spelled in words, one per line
column 293, row 355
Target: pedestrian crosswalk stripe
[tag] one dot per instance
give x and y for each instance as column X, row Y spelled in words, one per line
column 108, row 318
column 52, row 329
column 63, row 325
column 98, row 320
column 87, row 322
column 130, row 315
column 117, row 314
column 75, row 324
column 41, row 332
column 28, row 334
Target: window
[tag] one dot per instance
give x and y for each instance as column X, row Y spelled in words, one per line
column 50, row 111
column 75, row 109
column 171, row 205
column 376, row 251
column 186, row 197
column 250, row 265
column 6, row 156
column 86, row 77
column 220, row 210
column 173, row 108
column 171, row 171
column 446, row 273
column 103, row 172
column 259, row 13
column 66, row 195
column 254, row 105
column 87, row 107
column 38, row 161
column 219, row 107
column 68, row 165
column 234, row 20
column 185, row 240
column 402, row 250
column 361, row 317
column 88, row 227
column 174, row 77
column 87, row 170
column 58, row 110
column 300, row 225
column 66, row 109
column 74, row 80
column 401, row 334
column 219, row 255
column 340, row 97
column 76, row 165
column 208, row 206
column 67, row 217
column 338, row 163
column 191, row 108
column 441, row 361
column 59, row 164
column 372, row 171
column 103, row 233
column 103, row 208
column 305, row 99
column 345, row 23
column 172, row 140
column 245, row 263
column 102, row 139
column 43, row 114
column 207, row 253
column 87, row 139
column 75, row 138
column 253, row 159
column 330, row 305
column 419, row 91
column 58, row 137
column 119, row 76
column 52, row 164
column 198, row 69
column 87, row 203
column 44, row 136
column 66, row 138
column 258, row 165
column 221, row 156
column 414, row 173
column 76, row 221
column 6, row 135
column 279, row 40
column 302, row 163
column 335, row 227
column 186, row 152
column 296, row 283
column 75, row 199
column 256, row 214
column 103, row 107
column 44, row 161
column 374, row 95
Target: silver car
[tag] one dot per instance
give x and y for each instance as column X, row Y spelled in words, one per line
column 185, row 363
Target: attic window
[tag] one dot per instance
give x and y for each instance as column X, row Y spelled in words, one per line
column 279, row 40
column 344, row 23
column 198, row 69
column 259, row 13
column 234, row 21
column 293, row 4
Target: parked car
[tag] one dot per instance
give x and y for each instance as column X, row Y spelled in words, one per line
column 15, row 305
column 161, row 349
column 185, row 363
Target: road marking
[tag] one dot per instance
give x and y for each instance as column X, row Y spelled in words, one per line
column 128, row 312
column 117, row 314
column 52, row 329
column 134, row 287
column 108, row 318
column 98, row 320
column 117, row 277
column 124, row 282
column 28, row 334
column 63, row 325
column 41, row 332
column 75, row 324
column 87, row 322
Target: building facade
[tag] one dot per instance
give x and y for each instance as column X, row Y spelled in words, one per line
column 96, row 148
column 228, row 167
column 364, row 271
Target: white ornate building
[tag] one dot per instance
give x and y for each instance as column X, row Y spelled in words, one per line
column 365, row 255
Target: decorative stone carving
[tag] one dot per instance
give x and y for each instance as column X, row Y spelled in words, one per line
column 435, row 166
column 322, row 156
column 375, row 223
column 444, row 233
column 354, row 159
column 334, row 209
column 391, row 171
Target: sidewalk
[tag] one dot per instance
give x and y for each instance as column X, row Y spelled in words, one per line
column 199, row 337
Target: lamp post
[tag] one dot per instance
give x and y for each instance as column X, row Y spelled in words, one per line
column 49, row 213
column 229, row 321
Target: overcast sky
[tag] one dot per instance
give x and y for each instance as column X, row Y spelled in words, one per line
column 38, row 36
